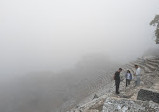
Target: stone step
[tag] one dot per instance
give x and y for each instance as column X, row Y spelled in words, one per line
column 141, row 60
column 153, row 61
column 139, row 64
column 130, row 68
column 146, row 68
column 102, row 83
column 153, row 64
column 98, row 83
column 135, row 63
column 152, row 57
column 152, row 68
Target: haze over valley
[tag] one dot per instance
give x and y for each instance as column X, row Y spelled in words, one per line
column 53, row 52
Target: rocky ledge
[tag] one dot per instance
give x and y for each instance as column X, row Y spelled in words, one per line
column 144, row 98
column 126, row 105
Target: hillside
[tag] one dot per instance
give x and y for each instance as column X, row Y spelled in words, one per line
column 129, row 98
column 46, row 91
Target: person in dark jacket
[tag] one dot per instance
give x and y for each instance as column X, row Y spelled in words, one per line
column 117, row 80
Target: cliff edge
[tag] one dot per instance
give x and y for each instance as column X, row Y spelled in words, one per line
column 144, row 98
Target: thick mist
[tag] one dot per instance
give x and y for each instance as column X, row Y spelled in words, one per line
column 43, row 43
column 54, row 35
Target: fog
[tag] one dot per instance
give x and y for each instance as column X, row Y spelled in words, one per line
column 44, row 42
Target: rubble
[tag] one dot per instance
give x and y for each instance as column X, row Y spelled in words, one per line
column 126, row 105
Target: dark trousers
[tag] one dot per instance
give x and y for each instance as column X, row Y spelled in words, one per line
column 127, row 82
column 117, row 83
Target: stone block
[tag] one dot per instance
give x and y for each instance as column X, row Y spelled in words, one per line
column 148, row 95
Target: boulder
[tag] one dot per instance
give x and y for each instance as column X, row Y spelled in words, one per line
column 148, row 95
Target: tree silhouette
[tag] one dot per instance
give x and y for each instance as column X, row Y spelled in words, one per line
column 155, row 22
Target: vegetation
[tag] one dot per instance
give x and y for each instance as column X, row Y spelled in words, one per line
column 155, row 22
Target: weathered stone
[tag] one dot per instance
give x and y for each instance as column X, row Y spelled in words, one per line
column 125, row 105
column 92, row 110
column 121, row 105
column 147, row 95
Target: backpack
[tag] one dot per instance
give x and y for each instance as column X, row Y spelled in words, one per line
column 114, row 77
column 130, row 76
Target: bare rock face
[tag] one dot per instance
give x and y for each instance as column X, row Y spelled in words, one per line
column 148, row 95
column 125, row 105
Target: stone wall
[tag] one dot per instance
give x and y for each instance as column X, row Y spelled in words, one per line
column 147, row 95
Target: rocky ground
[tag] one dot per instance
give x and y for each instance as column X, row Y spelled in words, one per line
column 105, row 100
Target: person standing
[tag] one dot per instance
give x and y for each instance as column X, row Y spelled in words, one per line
column 117, row 80
column 138, row 75
column 128, row 77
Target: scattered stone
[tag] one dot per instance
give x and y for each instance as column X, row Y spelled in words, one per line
column 125, row 105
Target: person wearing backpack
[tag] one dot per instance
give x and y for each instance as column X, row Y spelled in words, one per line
column 117, row 80
column 128, row 77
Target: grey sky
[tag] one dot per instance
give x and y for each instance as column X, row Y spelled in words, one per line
column 37, row 35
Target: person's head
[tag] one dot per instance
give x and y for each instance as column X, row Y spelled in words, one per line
column 128, row 71
column 120, row 69
column 136, row 66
